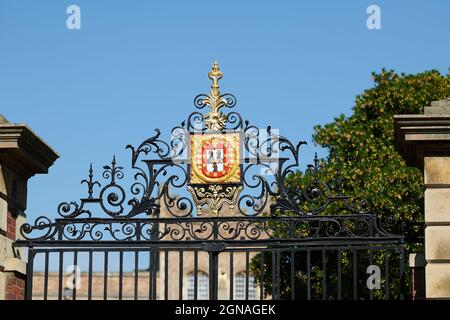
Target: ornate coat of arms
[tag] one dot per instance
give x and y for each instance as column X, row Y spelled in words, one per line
column 215, row 169
column 215, row 158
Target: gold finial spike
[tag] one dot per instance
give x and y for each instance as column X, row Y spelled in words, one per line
column 215, row 120
column 215, row 75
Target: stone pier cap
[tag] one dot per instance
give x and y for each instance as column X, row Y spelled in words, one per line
column 418, row 136
column 23, row 150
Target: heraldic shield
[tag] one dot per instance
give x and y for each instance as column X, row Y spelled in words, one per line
column 215, row 158
column 215, row 170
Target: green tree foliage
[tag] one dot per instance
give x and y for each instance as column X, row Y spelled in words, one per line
column 363, row 144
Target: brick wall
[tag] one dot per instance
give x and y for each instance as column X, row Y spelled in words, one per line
column 10, row 226
column 15, row 287
column 15, row 282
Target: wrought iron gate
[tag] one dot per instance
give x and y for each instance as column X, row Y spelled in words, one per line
column 245, row 235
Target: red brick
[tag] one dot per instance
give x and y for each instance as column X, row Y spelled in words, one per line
column 11, row 232
column 11, row 226
column 10, row 296
column 21, row 295
column 9, row 291
column 14, row 289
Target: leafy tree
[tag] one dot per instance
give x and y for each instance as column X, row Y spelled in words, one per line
column 363, row 144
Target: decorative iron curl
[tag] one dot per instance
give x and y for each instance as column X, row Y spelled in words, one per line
column 76, row 231
column 127, row 231
column 235, row 121
column 358, row 205
column 202, row 230
column 230, row 230
column 154, row 230
column 195, row 122
column 199, row 101
column 362, row 227
column 114, row 199
column 150, row 145
column 44, row 225
column 178, row 206
column 388, row 224
column 65, row 211
column 230, row 99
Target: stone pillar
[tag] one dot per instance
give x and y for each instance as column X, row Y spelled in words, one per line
column 424, row 142
column 22, row 155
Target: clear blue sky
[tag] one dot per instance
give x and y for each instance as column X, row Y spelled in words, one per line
column 136, row 65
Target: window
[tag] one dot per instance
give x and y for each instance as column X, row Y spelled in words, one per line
column 202, row 286
column 239, row 286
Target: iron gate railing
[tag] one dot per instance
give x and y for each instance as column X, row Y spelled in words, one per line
column 283, row 266
column 249, row 230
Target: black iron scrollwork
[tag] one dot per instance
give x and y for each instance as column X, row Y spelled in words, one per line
column 110, row 198
column 160, row 209
column 207, row 228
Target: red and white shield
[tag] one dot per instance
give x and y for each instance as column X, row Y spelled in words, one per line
column 215, row 158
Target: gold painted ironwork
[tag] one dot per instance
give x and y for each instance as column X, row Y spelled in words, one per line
column 215, row 120
column 215, row 171
column 215, row 196
column 231, row 166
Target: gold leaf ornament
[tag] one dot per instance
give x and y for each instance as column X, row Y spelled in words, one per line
column 215, row 120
